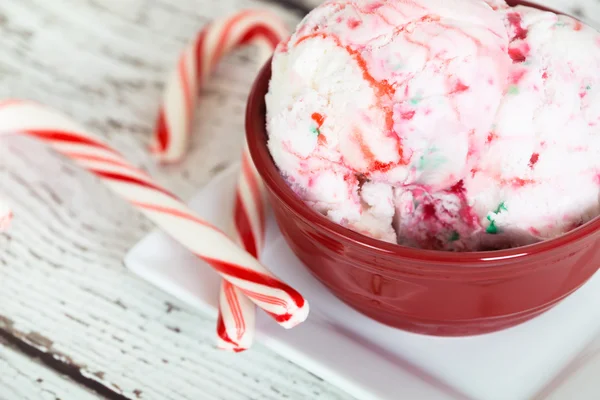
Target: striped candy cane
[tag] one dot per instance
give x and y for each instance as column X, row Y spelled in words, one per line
column 194, row 67
column 236, row 314
column 235, row 323
column 235, row 265
column 235, row 326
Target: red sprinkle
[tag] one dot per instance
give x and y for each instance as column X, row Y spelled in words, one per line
column 578, row 26
column 533, row 160
column 515, row 20
column 318, row 118
column 460, row 87
column 408, row 115
column 381, row 167
column 491, row 137
column 517, row 55
column 353, row 23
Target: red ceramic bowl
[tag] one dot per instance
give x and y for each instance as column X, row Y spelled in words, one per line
column 430, row 292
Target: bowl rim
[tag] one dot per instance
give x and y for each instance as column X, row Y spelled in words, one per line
column 256, row 137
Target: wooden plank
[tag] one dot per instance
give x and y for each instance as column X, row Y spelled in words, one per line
column 23, row 378
column 63, row 288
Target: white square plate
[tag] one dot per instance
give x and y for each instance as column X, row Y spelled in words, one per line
column 552, row 356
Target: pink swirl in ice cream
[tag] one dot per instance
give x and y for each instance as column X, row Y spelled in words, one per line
column 454, row 124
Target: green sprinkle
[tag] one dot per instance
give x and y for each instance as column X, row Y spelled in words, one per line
column 416, row 100
column 422, row 163
column 454, row 236
column 501, row 207
column 513, row 89
column 492, row 229
column 315, row 131
column 588, row 87
column 431, row 159
column 560, row 23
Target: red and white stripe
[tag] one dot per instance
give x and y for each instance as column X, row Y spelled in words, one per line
column 258, row 27
column 250, row 206
column 235, row 326
column 207, row 242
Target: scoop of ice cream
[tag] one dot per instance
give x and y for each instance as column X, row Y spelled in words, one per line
column 538, row 175
column 441, row 124
column 540, row 171
column 363, row 89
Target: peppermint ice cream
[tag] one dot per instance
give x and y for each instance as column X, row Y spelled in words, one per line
column 442, row 124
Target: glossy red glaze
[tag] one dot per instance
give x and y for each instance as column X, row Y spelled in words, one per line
column 430, row 292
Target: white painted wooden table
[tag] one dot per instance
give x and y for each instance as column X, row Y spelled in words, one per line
column 74, row 323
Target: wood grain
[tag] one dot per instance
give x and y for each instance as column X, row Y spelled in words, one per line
column 63, row 288
column 25, row 379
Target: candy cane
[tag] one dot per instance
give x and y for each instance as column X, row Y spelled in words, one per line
column 195, row 65
column 235, row 326
column 210, row 244
column 236, row 314
column 235, row 323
